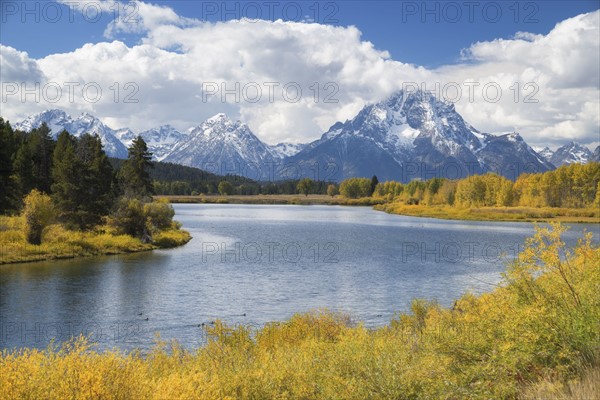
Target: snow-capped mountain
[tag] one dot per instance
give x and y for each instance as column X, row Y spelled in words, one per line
column 596, row 155
column 283, row 150
column 414, row 135
column 510, row 156
column 223, row 146
column 545, row 152
column 410, row 135
column 570, row 153
column 160, row 140
column 58, row 120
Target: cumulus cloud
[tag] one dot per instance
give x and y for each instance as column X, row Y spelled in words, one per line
column 177, row 73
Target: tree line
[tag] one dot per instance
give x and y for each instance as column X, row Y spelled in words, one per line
column 572, row 186
column 72, row 181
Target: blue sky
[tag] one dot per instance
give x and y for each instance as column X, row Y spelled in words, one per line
column 545, row 51
column 423, row 33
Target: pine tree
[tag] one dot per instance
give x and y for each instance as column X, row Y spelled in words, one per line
column 42, row 147
column 23, row 168
column 66, row 173
column 134, row 177
column 374, row 182
column 97, row 179
column 82, row 174
column 8, row 145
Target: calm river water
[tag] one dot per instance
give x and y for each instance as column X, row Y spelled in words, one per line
column 254, row 264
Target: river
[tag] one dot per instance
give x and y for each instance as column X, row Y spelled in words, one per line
column 252, row 264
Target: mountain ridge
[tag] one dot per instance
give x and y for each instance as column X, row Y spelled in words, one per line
column 409, row 135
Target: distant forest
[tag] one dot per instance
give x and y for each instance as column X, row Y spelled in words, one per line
column 175, row 179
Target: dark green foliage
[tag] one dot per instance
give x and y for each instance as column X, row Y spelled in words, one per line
column 374, row 182
column 129, row 218
column 82, row 188
column 225, row 188
column 41, row 146
column 133, row 217
column 8, row 185
column 23, row 169
column 134, row 176
column 159, row 216
column 175, row 179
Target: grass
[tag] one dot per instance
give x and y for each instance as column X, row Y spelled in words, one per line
column 515, row 214
column 60, row 243
column 311, row 199
column 585, row 387
column 536, row 334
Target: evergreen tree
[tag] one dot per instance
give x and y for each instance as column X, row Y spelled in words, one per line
column 374, row 182
column 66, row 173
column 82, row 188
column 96, row 181
column 42, row 147
column 23, row 168
column 8, row 192
column 134, row 177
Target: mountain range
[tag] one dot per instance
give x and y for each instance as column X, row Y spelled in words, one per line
column 58, row 120
column 409, row 135
column 570, row 153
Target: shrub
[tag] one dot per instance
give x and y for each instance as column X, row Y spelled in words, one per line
column 129, row 217
column 159, row 215
column 541, row 324
column 332, row 190
column 225, row 188
column 38, row 213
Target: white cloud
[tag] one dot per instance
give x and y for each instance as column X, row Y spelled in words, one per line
column 178, row 56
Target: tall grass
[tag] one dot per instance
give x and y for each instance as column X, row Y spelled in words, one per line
column 539, row 329
column 58, row 242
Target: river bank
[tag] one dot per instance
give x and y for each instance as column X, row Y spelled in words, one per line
column 527, row 338
column 294, row 199
column 506, row 214
column 60, row 243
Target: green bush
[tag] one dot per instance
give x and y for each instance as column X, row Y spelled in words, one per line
column 159, row 215
column 129, row 217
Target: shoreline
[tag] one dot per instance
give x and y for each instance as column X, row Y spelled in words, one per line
column 271, row 199
column 484, row 214
column 455, row 340
column 87, row 245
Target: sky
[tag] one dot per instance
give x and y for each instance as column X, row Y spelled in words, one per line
column 290, row 69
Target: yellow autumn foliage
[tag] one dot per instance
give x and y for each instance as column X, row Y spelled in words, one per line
column 540, row 326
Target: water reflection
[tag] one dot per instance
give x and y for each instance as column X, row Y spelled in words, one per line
column 252, row 265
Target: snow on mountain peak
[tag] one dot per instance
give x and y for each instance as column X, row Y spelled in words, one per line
column 220, row 143
column 220, row 117
column 570, row 153
column 282, row 150
column 58, row 120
